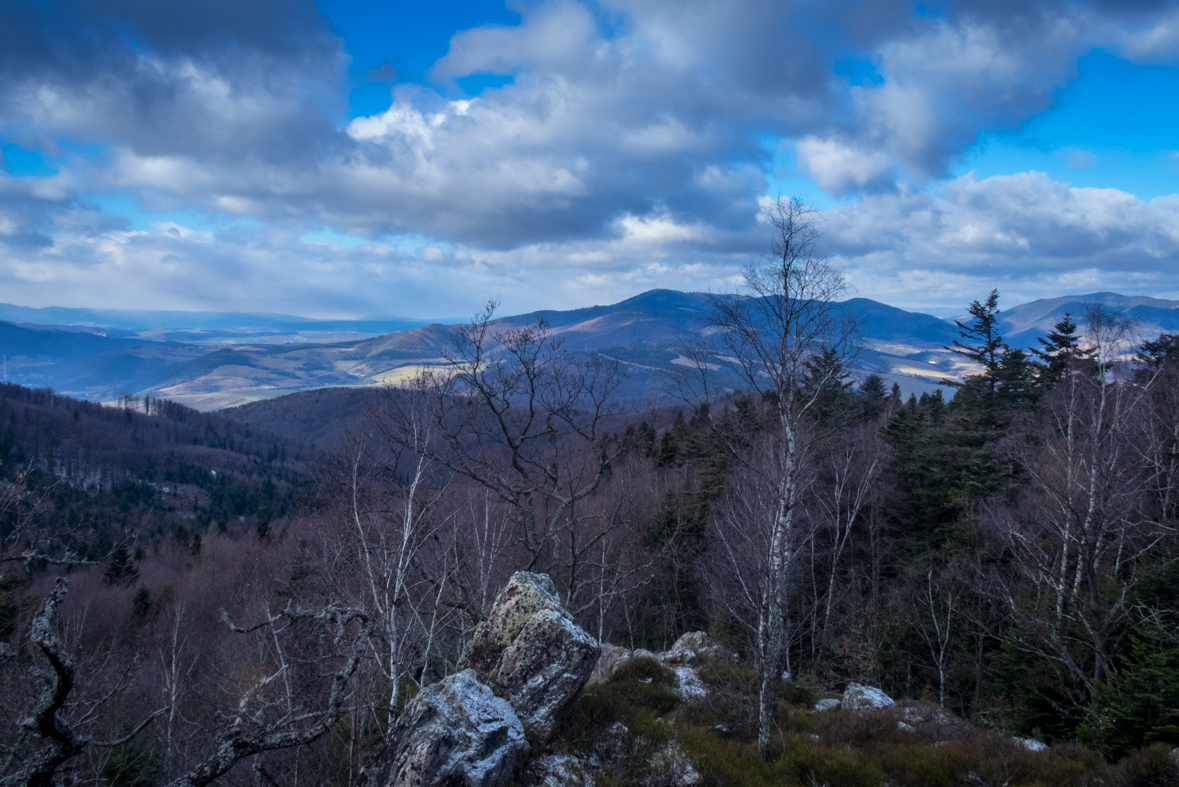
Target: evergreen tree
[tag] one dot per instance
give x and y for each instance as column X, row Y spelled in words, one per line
column 1060, row 351
column 1153, row 355
column 983, row 344
column 827, row 382
column 1018, row 386
column 120, row 569
column 873, row 396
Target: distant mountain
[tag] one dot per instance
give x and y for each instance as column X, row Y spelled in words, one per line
column 1022, row 324
column 193, row 326
column 648, row 334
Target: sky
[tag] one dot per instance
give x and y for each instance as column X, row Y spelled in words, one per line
column 397, row 159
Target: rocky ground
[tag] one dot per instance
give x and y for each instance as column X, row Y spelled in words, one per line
column 540, row 704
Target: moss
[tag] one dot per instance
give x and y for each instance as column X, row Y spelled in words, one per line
column 638, row 695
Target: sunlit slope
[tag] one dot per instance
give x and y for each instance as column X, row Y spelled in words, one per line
column 649, row 335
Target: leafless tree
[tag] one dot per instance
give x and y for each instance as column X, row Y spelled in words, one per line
column 274, row 710
column 1084, row 521
column 851, row 469
column 771, row 332
column 519, row 416
column 391, row 520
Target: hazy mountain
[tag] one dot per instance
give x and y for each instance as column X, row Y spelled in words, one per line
column 648, row 334
column 194, row 326
column 1022, row 324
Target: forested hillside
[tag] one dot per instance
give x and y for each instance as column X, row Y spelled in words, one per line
column 148, row 469
column 1005, row 553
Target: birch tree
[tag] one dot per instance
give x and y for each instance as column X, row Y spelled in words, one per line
column 786, row 317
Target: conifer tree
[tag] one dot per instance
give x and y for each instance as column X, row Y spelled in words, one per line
column 1059, row 351
column 983, row 345
column 873, row 396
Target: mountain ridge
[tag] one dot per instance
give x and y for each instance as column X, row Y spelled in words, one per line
column 647, row 333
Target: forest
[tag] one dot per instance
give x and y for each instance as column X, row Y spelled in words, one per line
column 185, row 600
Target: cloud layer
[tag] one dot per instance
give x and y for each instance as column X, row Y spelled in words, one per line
column 629, row 149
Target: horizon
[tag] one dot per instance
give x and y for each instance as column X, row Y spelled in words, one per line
column 333, row 158
column 948, row 313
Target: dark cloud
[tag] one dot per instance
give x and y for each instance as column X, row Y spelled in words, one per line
column 219, row 81
column 629, row 147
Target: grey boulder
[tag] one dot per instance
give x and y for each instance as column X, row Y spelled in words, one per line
column 530, row 652
column 691, row 647
column 858, row 697
column 455, row 732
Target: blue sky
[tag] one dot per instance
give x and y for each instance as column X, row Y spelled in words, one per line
column 411, row 159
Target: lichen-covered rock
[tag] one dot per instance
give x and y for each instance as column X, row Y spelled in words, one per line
column 670, row 767
column 688, row 684
column 563, row 770
column 530, row 652
column 610, row 659
column 858, row 697
column 455, row 732
column 829, row 703
column 547, row 665
column 524, row 595
column 1031, row 744
column 692, row 646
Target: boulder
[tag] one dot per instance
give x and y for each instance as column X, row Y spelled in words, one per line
column 613, row 657
column 688, row 684
column 455, row 732
column 858, row 697
column 564, row 770
column 530, row 652
column 827, row 704
column 610, row 659
column 1031, row 744
column 693, row 646
column 670, row 767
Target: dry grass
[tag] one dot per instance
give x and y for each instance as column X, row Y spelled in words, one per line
column 911, row 745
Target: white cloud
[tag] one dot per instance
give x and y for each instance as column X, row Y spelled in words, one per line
column 1024, row 232
column 628, row 150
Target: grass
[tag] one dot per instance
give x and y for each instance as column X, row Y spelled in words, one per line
column 626, row 721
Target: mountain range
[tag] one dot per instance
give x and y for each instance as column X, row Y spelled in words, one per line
column 214, row 360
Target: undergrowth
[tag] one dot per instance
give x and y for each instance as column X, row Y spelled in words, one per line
column 625, row 721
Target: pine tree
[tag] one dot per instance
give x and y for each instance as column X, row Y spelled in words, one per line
column 873, row 396
column 983, row 344
column 1154, row 354
column 1018, row 386
column 827, row 382
column 120, row 569
column 1060, row 351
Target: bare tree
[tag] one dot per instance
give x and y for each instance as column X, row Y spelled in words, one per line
column 390, row 523
column 1084, row 521
column 52, row 735
column 772, row 332
column 851, row 471
column 273, row 710
column 519, row 416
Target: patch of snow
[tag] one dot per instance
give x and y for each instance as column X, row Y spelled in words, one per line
column 1031, row 744
column 691, row 687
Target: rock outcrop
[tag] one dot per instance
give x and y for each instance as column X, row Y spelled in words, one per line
column 530, row 652
column 692, row 647
column 858, row 697
column 682, row 657
column 455, row 732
